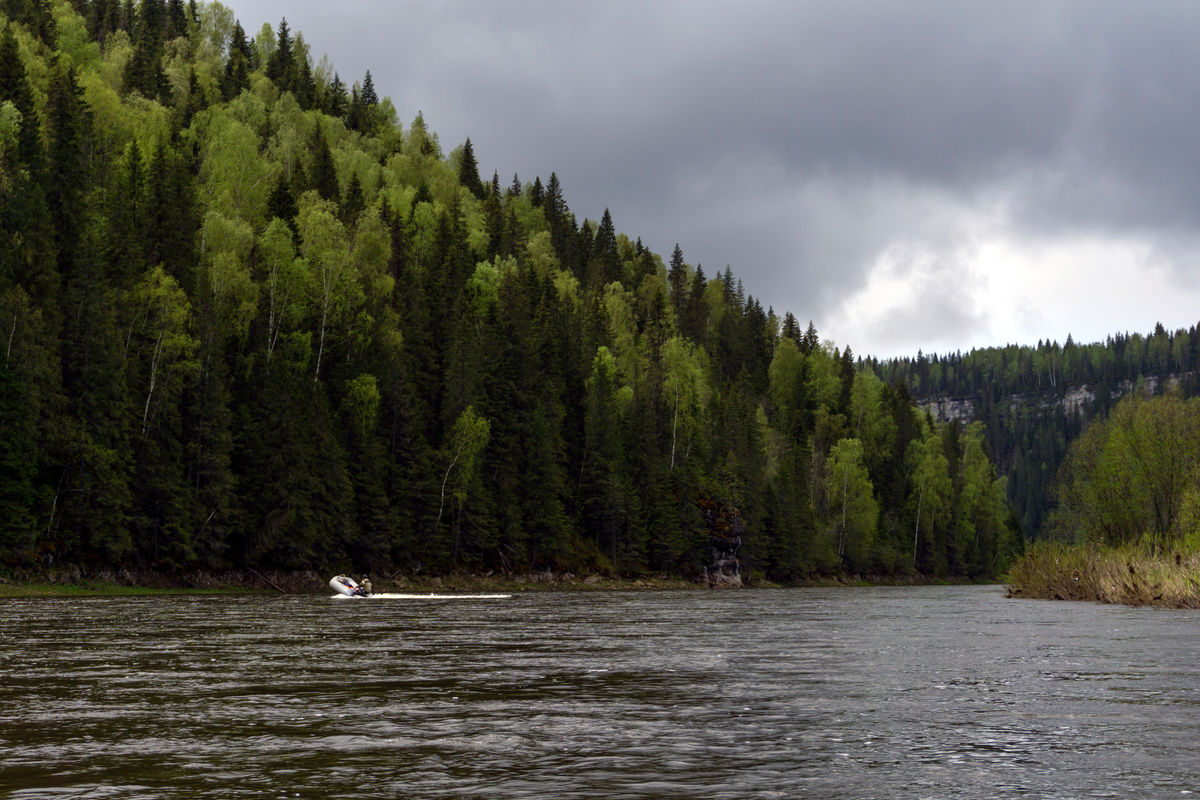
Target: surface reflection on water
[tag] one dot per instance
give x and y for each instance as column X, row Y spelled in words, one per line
column 939, row 692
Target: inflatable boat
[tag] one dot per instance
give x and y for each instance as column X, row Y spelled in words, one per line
column 347, row 586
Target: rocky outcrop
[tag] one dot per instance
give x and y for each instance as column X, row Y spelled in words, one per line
column 725, row 531
column 1070, row 399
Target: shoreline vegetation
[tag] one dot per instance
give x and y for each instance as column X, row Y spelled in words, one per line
column 1126, row 576
column 126, row 583
column 256, row 322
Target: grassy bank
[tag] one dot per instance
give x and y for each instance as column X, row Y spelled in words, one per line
column 1053, row 571
column 74, row 584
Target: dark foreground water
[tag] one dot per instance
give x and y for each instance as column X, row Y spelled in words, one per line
column 842, row 693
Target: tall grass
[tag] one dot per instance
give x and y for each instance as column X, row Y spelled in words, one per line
column 1128, row 576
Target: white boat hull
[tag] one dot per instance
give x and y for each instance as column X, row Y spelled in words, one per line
column 346, row 587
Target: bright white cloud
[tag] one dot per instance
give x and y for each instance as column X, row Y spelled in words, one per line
column 1010, row 290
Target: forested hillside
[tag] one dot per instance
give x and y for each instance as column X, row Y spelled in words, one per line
column 1035, row 401
column 252, row 320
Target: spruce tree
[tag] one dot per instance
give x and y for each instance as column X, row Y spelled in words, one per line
column 282, row 204
column 369, row 98
column 14, row 87
column 176, row 22
column 67, row 165
column 237, row 67
column 354, row 203
column 604, row 252
column 280, row 66
column 321, row 172
column 335, row 98
column 468, row 170
column 677, row 280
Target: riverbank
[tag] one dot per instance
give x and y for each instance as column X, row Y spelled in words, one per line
column 1054, row 571
column 74, row 582
column 67, row 583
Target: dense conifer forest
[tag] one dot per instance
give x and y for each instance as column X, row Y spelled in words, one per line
column 1035, row 401
column 251, row 319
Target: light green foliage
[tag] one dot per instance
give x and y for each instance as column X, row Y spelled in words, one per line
column 476, row 223
column 568, row 289
column 334, row 293
column 117, row 52
column 10, row 128
column 714, row 303
column 931, row 489
column 787, row 376
column 236, row 181
column 160, row 339
column 353, row 161
column 73, row 39
column 226, row 244
column 252, row 109
column 980, row 511
column 265, row 43
column 119, row 121
column 622, row 325
column 398, row 198
column 825, row 380
column 1133, row 478
column 371, row 248
column 541, row 253
column 425, row 226
column 284, row 278
column 868, row 419
column 216, row 25
column 180, row 64
column 291, row 131
column 467, row 442
column 484, row 283
column 361, row 402
column 685, row 386
column 852, row 509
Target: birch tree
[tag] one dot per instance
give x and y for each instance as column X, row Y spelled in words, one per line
column 685, row 390
column 335, row 293
column 852, row 507
column 159, row 340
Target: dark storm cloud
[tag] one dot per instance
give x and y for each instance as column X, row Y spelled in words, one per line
column 797, row 141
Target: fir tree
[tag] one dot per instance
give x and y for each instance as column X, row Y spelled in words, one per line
column 369, row 98
column 67, row 175
column 282, row 204
column 335, row 98
column 237, row 68
column 321, row 172
column 468, row 170
column 354, row 203
column 280, row 66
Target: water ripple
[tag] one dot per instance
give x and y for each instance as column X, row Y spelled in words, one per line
column 888, row 693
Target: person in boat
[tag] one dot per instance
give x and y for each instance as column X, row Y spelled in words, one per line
column 365, row 583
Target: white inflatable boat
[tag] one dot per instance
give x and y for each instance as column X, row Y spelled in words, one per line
column 347, row 586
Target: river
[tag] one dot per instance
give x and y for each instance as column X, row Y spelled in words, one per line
column 929, row 692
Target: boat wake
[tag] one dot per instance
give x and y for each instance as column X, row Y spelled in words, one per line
column 398, row 596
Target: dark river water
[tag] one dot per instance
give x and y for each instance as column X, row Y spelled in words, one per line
column 944, row 692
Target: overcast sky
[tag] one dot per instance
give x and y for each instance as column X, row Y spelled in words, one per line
column 907, row 175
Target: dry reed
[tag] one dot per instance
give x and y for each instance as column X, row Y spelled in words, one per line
column 1131, row 576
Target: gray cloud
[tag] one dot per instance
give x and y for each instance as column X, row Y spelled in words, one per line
column 798, row 141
